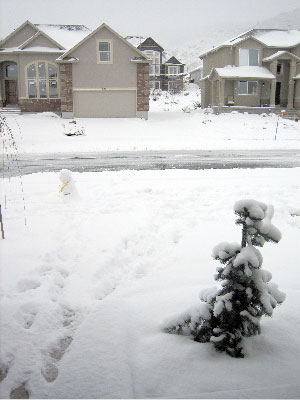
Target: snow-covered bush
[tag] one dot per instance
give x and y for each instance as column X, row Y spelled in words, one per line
column 73, row 129
column 233, row 311
column 155, row 94
column 197, row 104
column 186, row 109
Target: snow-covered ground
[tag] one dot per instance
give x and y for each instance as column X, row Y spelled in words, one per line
column 168, row 128
column 89, row 280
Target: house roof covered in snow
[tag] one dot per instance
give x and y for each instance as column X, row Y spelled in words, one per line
column 200, row 68
column 61, row 39
column 281, row 54
column 244, row 72
column 135, row 40
column 66, row 35
column 269, row 37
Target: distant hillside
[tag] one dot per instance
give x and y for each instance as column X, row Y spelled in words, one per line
column 287, row 20
column 190, row 51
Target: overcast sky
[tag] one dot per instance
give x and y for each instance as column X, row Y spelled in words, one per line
column 172, row 21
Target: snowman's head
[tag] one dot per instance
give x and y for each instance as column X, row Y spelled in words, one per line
column 65, row 176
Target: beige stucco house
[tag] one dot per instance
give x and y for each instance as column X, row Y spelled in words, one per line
column 71, row 70
column 258, row 68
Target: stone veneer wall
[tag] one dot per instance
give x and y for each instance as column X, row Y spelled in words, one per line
column 143, row 90
column 66, row 93
column 39, row 105
column 297, row 104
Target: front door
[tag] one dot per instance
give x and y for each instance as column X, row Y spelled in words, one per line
column 11, row 91
column 277, row 93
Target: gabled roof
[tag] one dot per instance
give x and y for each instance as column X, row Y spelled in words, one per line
column 135, row 40
column 281, row 54
column 276, row 38
column 200, row 68
column 243, row 72
column 17, row 30
column 173, row 60
column 38, row 34
column 66, row 35
column 150, row 42
column 61, row 36
column 97, row 30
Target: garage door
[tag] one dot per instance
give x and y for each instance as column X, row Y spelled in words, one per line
column 105, row 103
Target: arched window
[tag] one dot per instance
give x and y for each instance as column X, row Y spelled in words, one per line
column 42, row 80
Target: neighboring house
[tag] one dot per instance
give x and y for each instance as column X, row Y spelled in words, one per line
column 258, row 68
column 166, row 72
column 71, row 70
column 196, row 75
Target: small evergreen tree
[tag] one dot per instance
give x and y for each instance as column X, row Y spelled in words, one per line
column 234, row 311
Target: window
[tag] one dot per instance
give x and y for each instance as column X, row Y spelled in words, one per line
column 173, row 70
column 172, row 87
column 154, row 85
column 279, row 69
column 42, row 80
column 11, row 71
column 247, row 87
column 104, row 52
column 154, row 68
column 248, row 57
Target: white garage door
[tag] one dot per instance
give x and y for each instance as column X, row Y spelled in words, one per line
column 105, row 103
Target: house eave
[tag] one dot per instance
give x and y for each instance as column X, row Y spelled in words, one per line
column 282, row 54
column 67, row 61
column 133, row 61
column 31, row 52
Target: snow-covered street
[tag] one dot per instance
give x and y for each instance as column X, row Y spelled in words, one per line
column 88, row 282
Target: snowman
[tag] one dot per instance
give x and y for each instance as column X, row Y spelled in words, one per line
column 68, row 186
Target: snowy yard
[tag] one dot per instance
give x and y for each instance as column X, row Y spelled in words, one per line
column 168, row 128
column 88, row 282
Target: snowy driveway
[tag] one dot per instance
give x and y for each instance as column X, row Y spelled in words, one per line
column 149, row 160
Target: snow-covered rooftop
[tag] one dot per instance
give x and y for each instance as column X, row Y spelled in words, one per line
column 197, row 69
column 277, row 38
column 279, row 54
column 66, row 35
column 274, row 56
column 135, row 40
column 269, row 37
column 244, row 72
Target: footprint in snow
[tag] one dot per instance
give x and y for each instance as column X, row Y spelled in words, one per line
column 50, row 370
column 29, row 312
column 19, row 392
column 4, row 367
column 69, row 317
column 3, row 371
